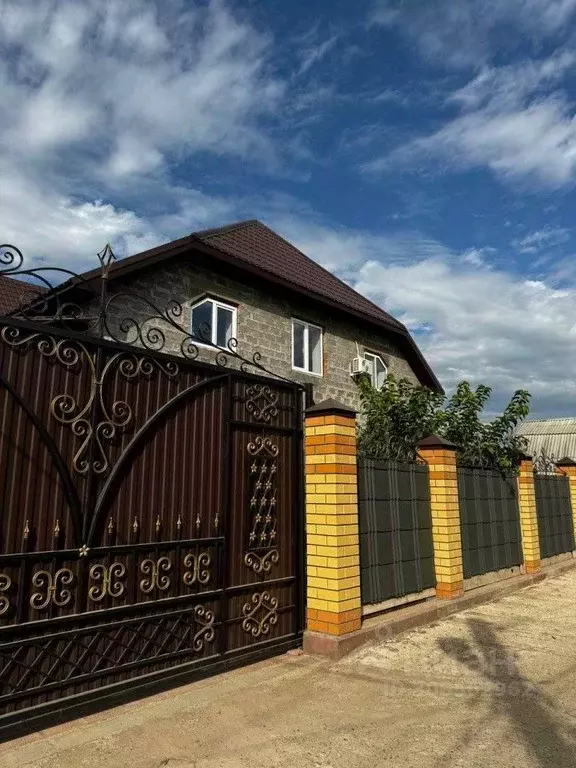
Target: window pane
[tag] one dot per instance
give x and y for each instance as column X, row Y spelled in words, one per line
column 223, row 326
column 380, row 372
column 202, row 322
column 298, row 348
column 314, row 350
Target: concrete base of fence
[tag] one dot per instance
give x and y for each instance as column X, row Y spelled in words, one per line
column 561, row 558
column 389, row 625
column 396, row 602
column 493, row 576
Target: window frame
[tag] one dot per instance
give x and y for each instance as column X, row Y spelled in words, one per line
column 308, row 325
column 216, row 304
column 374, row 355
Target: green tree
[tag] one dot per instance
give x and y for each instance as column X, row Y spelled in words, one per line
column 395, row 417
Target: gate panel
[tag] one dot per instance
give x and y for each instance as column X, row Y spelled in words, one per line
column 554, row 513
column 161, row 502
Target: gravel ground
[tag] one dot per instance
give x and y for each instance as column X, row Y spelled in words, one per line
column 491, row 686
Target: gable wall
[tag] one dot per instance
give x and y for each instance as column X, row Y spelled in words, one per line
column 264, row 325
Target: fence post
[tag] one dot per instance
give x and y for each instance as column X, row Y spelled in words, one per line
column 440, row 455
column 568, row 467
column 332, row 537
column 528, row 516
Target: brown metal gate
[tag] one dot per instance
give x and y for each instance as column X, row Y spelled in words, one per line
column 150, row 519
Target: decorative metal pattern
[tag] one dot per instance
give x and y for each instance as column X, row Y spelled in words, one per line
column 105, row 314
column 67, row 410
column 197, row 569
column 5, row 584
column 261, row 402
column 262, row 445
column 52, row 588
column 261, row 613
column 263, row 474
column 63, row 657
column 156, row 574
column 108, row 581
column 205, row 618
column 262, row 563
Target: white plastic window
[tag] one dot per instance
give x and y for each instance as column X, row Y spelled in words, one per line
column 378, row 370
column 306, row 347
column 213, row 322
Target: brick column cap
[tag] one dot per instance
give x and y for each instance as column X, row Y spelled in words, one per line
column 566, row 462
column 435, row 441
column 331, row 406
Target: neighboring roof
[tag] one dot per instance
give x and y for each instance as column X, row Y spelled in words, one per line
column 555, row 437
column 253, row 247
column 16, row 293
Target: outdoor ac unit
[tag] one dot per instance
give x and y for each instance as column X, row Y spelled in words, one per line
column 360, row 365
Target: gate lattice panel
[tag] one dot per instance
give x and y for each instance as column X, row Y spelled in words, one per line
column 150, row 516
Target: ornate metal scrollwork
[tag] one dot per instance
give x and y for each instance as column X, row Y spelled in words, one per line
column 261, row 402
column 262, row 563
column 262, row 445
column 68, row 411
column 265, row 605
column 108, row 581
column 205, row 618
column 197, row 569
column 125, row 317
column 52, row 588
column 156, row 575
column 5, row 584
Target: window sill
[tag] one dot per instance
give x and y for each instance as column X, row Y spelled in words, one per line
column 308, row 373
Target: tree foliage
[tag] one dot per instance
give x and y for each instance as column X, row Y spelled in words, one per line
column 397, row 416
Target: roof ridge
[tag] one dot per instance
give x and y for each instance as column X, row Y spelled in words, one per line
column 257, row 223
column 226, row 228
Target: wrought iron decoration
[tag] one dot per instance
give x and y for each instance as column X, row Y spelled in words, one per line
column 124, row 317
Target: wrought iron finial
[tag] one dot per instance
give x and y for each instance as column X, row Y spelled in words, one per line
column 135, row 525
column 179, row 522
column 110, row 526
column 158, row 524
column 106, row 256
column 26, row 531
column 56, row 530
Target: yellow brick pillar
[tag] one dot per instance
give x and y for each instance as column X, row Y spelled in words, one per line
column 568, row 467
column 332, row 538
column 528, row 518
column 440, row 455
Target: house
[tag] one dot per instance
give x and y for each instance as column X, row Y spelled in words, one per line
column 553, row 439
column 243, row 281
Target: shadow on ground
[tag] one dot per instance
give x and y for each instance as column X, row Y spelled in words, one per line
column 529, row 711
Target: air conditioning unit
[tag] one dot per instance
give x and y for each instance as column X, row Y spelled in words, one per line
column 360, row 365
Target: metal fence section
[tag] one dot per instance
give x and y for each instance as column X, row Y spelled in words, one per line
column 554, row 512
column 396, row 551
column 490, row 520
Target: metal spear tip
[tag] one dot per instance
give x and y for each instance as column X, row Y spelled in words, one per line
column 106, row 256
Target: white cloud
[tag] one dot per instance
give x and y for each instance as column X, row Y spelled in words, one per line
column 542, row 239
column 471, row 319
column 133, row 84
column 506, row 124
column 468, row 32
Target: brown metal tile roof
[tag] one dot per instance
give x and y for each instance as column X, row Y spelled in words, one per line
column 16, row 293
column 256, row 244
column 253, row 247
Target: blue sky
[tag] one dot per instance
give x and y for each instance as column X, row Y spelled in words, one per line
column 425, row 152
